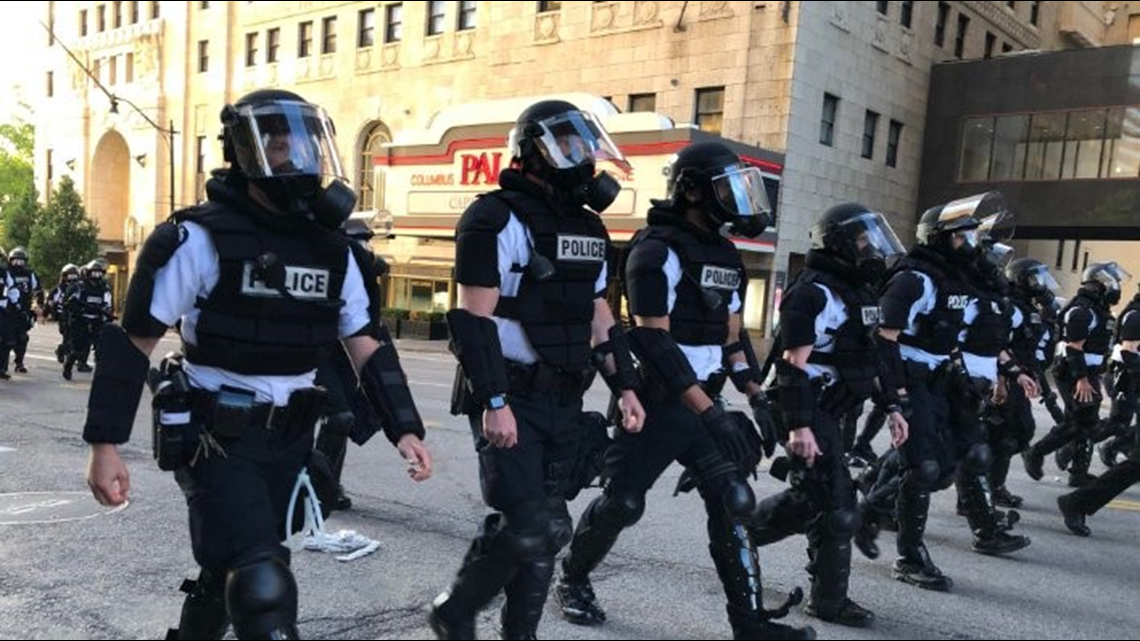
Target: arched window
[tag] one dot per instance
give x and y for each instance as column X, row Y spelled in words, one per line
column 370, row 184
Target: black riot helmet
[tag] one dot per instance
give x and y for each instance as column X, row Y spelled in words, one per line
column 96, row 270
column 18, row 257
column 561, row 144
column 711, row 177
column 952, row 229
column 1033, row 278
column 859, row 238
column 286, row 147
column 1107, row 279
column 70, row 272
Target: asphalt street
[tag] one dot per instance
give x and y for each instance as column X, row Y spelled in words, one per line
column 70, row 569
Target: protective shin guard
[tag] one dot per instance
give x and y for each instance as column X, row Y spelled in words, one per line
column 597, row 531
column 204, row 610
column 526, row 598
column 261, row 597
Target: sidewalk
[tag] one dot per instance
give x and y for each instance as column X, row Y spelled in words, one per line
column 420, row 345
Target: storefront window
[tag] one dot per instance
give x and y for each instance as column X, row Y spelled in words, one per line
column 977, row 139
column 755, row 301
column 1009, row 148
column 419, row 294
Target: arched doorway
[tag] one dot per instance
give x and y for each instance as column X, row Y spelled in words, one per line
column 109, row 202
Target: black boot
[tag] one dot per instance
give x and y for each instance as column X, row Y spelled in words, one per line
column 1034, row 463
column 526, row 597
column 332, row 441
column 830, row 570
column 204, row 610
column 67, row 365
column 593, row 539
column 60, row 353
column 1073, row 515
column 866, row 537
column 1004, row 498
column 577, row 600
column 485, row 571
column 991, row 534
column 914, row 565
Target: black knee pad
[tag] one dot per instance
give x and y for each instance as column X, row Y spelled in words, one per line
column 739, row 501
column 339, row 423
column 559, row 531
column 524, row 532
column 978, row 459
column 261, row 595
column 924, row 475
column 622, row 510
column 842, row 523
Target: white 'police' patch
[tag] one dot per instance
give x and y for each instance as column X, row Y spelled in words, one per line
column 301, row 282
column 1035, row 318
column 958, row 302
column 720, row 277
column 871, row 315
column 581, row 248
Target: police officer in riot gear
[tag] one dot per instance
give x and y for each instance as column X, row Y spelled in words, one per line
column 9, row 296
column 1032, row 290
column 684, row 283
column 1090, row 498
column 1118, row 430
column 56, row 308
column 261, row 282
column 830, row 365
column 981, row 360
column 22, row 317
column 531, row 268
column 1087, row 327
column 89, row 307
column 923, row 308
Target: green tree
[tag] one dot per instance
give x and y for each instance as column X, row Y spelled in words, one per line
column 17, row 146
column 19, row 217
column 63, row 233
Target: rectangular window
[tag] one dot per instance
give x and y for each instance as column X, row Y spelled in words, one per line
column 870, row 127
column 827, row 119
column 642, row 102
column 49, row 166
column 960, row 39
column 894, row 137
column 1060, row 255
column 250, row 49
column 200, row 162
column 117, row 14
column 394, row 22
column 1084, row 144
column 100, row 18
column 203, row 56
column 366, row 29
column 977, row 142
column 882, row 7
column 435, row 17
column 82, row 22
column 305, row 39
column 134, row 11
column 129, row 67
column 906, row 15
column 1045, row 146
column 549, row 5
column 50, row 84
column 204, row 4
column 940, row 25
column 272, row 44
column 155, row 12
column 1076, row 253
column 1034, row 12
column 1122, row 146
column 112, row 70
column 328, row 35
column 466, row 15
column 991, row 41
column 710, row 109
column 1008, row 157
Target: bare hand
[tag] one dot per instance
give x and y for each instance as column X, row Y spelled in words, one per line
column 1029, row 386
column 802, row 443
column 107, row 475
column 417, row 455
column 499, row 427
column 632, row 413
column 1084, row 392
column 900, row 429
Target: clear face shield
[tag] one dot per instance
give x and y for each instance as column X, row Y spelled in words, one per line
column 1113, row 277
column 740, row 192
column 573, row 139
column 1041, row 281
column 285, row 139
column 873, row 237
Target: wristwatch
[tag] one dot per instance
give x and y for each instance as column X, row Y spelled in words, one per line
column 496, row 402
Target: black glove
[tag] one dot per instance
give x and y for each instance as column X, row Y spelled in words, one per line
column 725, row 430
column 765, row 420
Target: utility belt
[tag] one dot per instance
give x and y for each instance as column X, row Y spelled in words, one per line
column 1061, row 368
column 542, row 379
column 937, row 380
column 231, row 411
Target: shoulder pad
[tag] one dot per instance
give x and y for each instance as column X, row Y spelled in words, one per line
column 487, row 214
column 905, row 285
column 648, row 254
column 805, row 298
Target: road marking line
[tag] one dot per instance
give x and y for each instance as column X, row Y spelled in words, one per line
column 1120, row 504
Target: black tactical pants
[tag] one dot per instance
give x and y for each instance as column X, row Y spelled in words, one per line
column 1080, row 424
